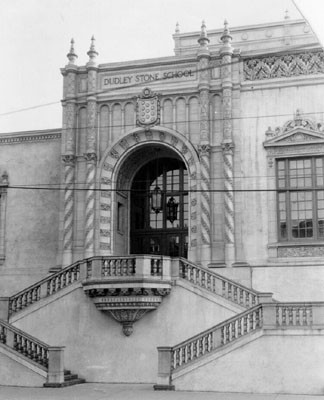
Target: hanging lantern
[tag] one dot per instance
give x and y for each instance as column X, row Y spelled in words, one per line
column 172, row 210
column 156, row 199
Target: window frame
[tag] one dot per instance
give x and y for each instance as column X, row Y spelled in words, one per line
column 288, row 190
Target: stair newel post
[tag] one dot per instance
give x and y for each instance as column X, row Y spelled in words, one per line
column 96, row 270
column 164, row 379
column 55, row 365
column 269, row 317
column 4, row 308
column 318, row 314
column 217, row 338
column 10, row 339
column 177, row 268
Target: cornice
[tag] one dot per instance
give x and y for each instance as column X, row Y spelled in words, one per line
column 30, row 136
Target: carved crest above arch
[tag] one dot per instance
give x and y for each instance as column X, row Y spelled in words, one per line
column 147, row 109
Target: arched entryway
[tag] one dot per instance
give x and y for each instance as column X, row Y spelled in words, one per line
column 159, row 208
column 120, row 171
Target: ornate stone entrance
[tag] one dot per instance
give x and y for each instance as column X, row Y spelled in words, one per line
column 121, row 168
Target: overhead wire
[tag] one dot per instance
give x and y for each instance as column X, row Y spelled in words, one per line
column 139, row 84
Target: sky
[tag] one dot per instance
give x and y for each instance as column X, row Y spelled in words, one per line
column 35, row 38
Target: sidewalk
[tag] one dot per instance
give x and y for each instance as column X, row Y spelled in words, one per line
column 102, row 391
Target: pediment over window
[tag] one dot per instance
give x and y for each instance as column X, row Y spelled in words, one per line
column 299, row 131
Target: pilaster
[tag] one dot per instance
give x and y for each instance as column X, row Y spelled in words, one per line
column 228, row 145
column 91, row 152
column 69, row 157
column 203, row 56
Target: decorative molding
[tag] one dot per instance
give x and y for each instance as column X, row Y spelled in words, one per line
column 90, row 157
column 127, row 304
column 298, row 136
column 284, row 66
column 29, row 137
column 301, row 251
column 69, row 159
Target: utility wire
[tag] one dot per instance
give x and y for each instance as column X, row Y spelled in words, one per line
column 175, row 191
column 82, row 95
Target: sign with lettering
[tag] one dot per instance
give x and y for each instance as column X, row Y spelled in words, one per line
column 128, row 79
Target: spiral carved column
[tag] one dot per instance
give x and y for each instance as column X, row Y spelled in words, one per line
column 228, row 146
column 204, row 151
column 228, row 196
column 91, row 159
column 69, row 176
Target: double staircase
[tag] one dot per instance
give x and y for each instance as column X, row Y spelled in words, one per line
column 129, row 287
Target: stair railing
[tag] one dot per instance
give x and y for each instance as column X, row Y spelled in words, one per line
column 267, row 316
column 98, row 267
column 220, row 285
column 48, row 358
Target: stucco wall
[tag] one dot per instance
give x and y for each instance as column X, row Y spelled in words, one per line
column 270, row 364
column 261, row 108
column 32, row 216
column 97, row 349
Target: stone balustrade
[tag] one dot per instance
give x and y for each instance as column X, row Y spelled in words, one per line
column 267, row 315
column 220, row 285
column 48, row 358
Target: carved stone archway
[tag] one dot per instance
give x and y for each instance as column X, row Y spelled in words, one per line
column 110, row 179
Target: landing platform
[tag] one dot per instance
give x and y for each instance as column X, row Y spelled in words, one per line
column 102, row 391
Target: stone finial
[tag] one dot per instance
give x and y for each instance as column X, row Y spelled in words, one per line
column 92, row 53
column 71, row 55
column 226, row 37
column 4, row 178
column 203, row 38
column 287, row 15
column 177, row 29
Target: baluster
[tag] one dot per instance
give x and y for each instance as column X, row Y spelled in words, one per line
column 235, row 294
column 24, row 346
column 309, row 315
column 298, row 316
column 227, row 333
column 15, row 342
column 154, row 267
column 3, row 335
column 197, row 276
column 223, row 288
column 239, row 327
column 213, row 284
column 113, row 267
column 203, row 279
column 65, row 281
column 125, row 267
column 230, row 288
column 290, row 315
column 29, row 349
column 245, row 325
column 104, row 268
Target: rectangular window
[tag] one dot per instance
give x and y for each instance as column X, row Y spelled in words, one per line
column 300, row 199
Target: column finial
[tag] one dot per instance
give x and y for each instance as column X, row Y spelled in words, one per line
column 203, row 38
column 71, row 54
column 92, row 53
column 287, row 16
column 226, row 37
column 177, row 29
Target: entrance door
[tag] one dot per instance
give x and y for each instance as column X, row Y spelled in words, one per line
column 160, row 227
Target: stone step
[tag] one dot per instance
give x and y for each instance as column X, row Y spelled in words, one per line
column 69, row 380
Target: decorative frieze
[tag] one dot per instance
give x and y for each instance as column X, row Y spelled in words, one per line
column 301, row 251
column 284, row 66
column 30, row 137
